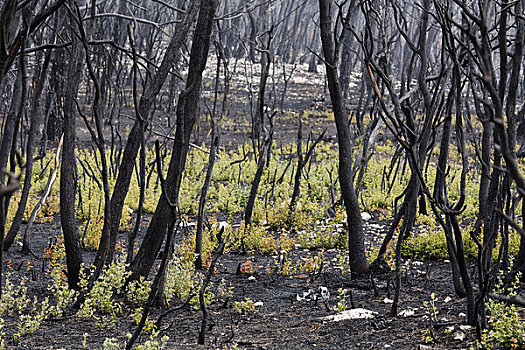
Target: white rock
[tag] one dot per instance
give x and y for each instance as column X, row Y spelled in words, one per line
column 309, row 295
column 252, row 278
column 447, row 299
column 461, row 314
column 465, row 327
column 366, row 216
column 258, row 304
column 352, row 314
column 407, row 313
column 388, row 301
column 459, row 336
column 325, row 293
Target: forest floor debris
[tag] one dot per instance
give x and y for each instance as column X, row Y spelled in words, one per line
column 279, row 321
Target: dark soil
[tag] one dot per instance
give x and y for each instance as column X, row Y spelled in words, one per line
column 281, row 322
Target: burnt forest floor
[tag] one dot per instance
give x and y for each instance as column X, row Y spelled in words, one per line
column 279, row 321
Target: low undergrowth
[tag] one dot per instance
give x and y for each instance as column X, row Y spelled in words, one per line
column 317, row 225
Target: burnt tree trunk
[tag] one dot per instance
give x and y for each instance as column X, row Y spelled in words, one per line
column 186, row 116
column 204, row 193
column 356, row 246
column 68, row 180
column 134, row 139
column 36, row 121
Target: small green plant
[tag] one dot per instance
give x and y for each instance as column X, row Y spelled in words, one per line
column 28, row 313
column 505, row 328
column 255, row 238
column 223, row 290
column 2, row 342
column 84, row 340
column 434, row 246
column 233, row 346
column 244, row 307
column 343, row 263
column 29, row 322
column 285, row 264
column 63, row 295
column 323, row 237
column 154, row 344
column 181, row 280
column 110, row 344
column 149, row 326
column 138, row 291
column 429, row 336
column 100, row 297
column 341, row 304
column 312, row 263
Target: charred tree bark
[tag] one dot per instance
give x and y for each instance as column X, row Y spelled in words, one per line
column 302, row 160
column 264, row 156
column 186, row 116
column 356, row 247
column 11, row 36
column 139, row 127
column 68, row 177
column 36, row 122
column 265, row 147
column 204, row 194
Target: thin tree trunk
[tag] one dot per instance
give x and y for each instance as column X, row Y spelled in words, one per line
column 68, row 177
column 204, row 194
column 356, row 246
column 36, row 121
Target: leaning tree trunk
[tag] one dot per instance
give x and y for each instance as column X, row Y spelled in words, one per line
column 186, row 116
column 36, row 120
column 265, row 147
column 68, row 180
column 8, row 133
column 134, row 139
column 356, row 246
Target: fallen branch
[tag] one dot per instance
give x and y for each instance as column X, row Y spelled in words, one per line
column 516, row 300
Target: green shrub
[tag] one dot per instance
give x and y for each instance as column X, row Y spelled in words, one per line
column 506, row 329
column 434, row 246
column 244, row 307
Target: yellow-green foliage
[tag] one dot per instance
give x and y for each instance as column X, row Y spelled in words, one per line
column 506, row 329
column 433, row 245
column 28, row 312
column 100, row 299
column 254, row 237
column 181, row 280
column 186, row 248
column 230, row 187
column 244, row 307
column 323, row 237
